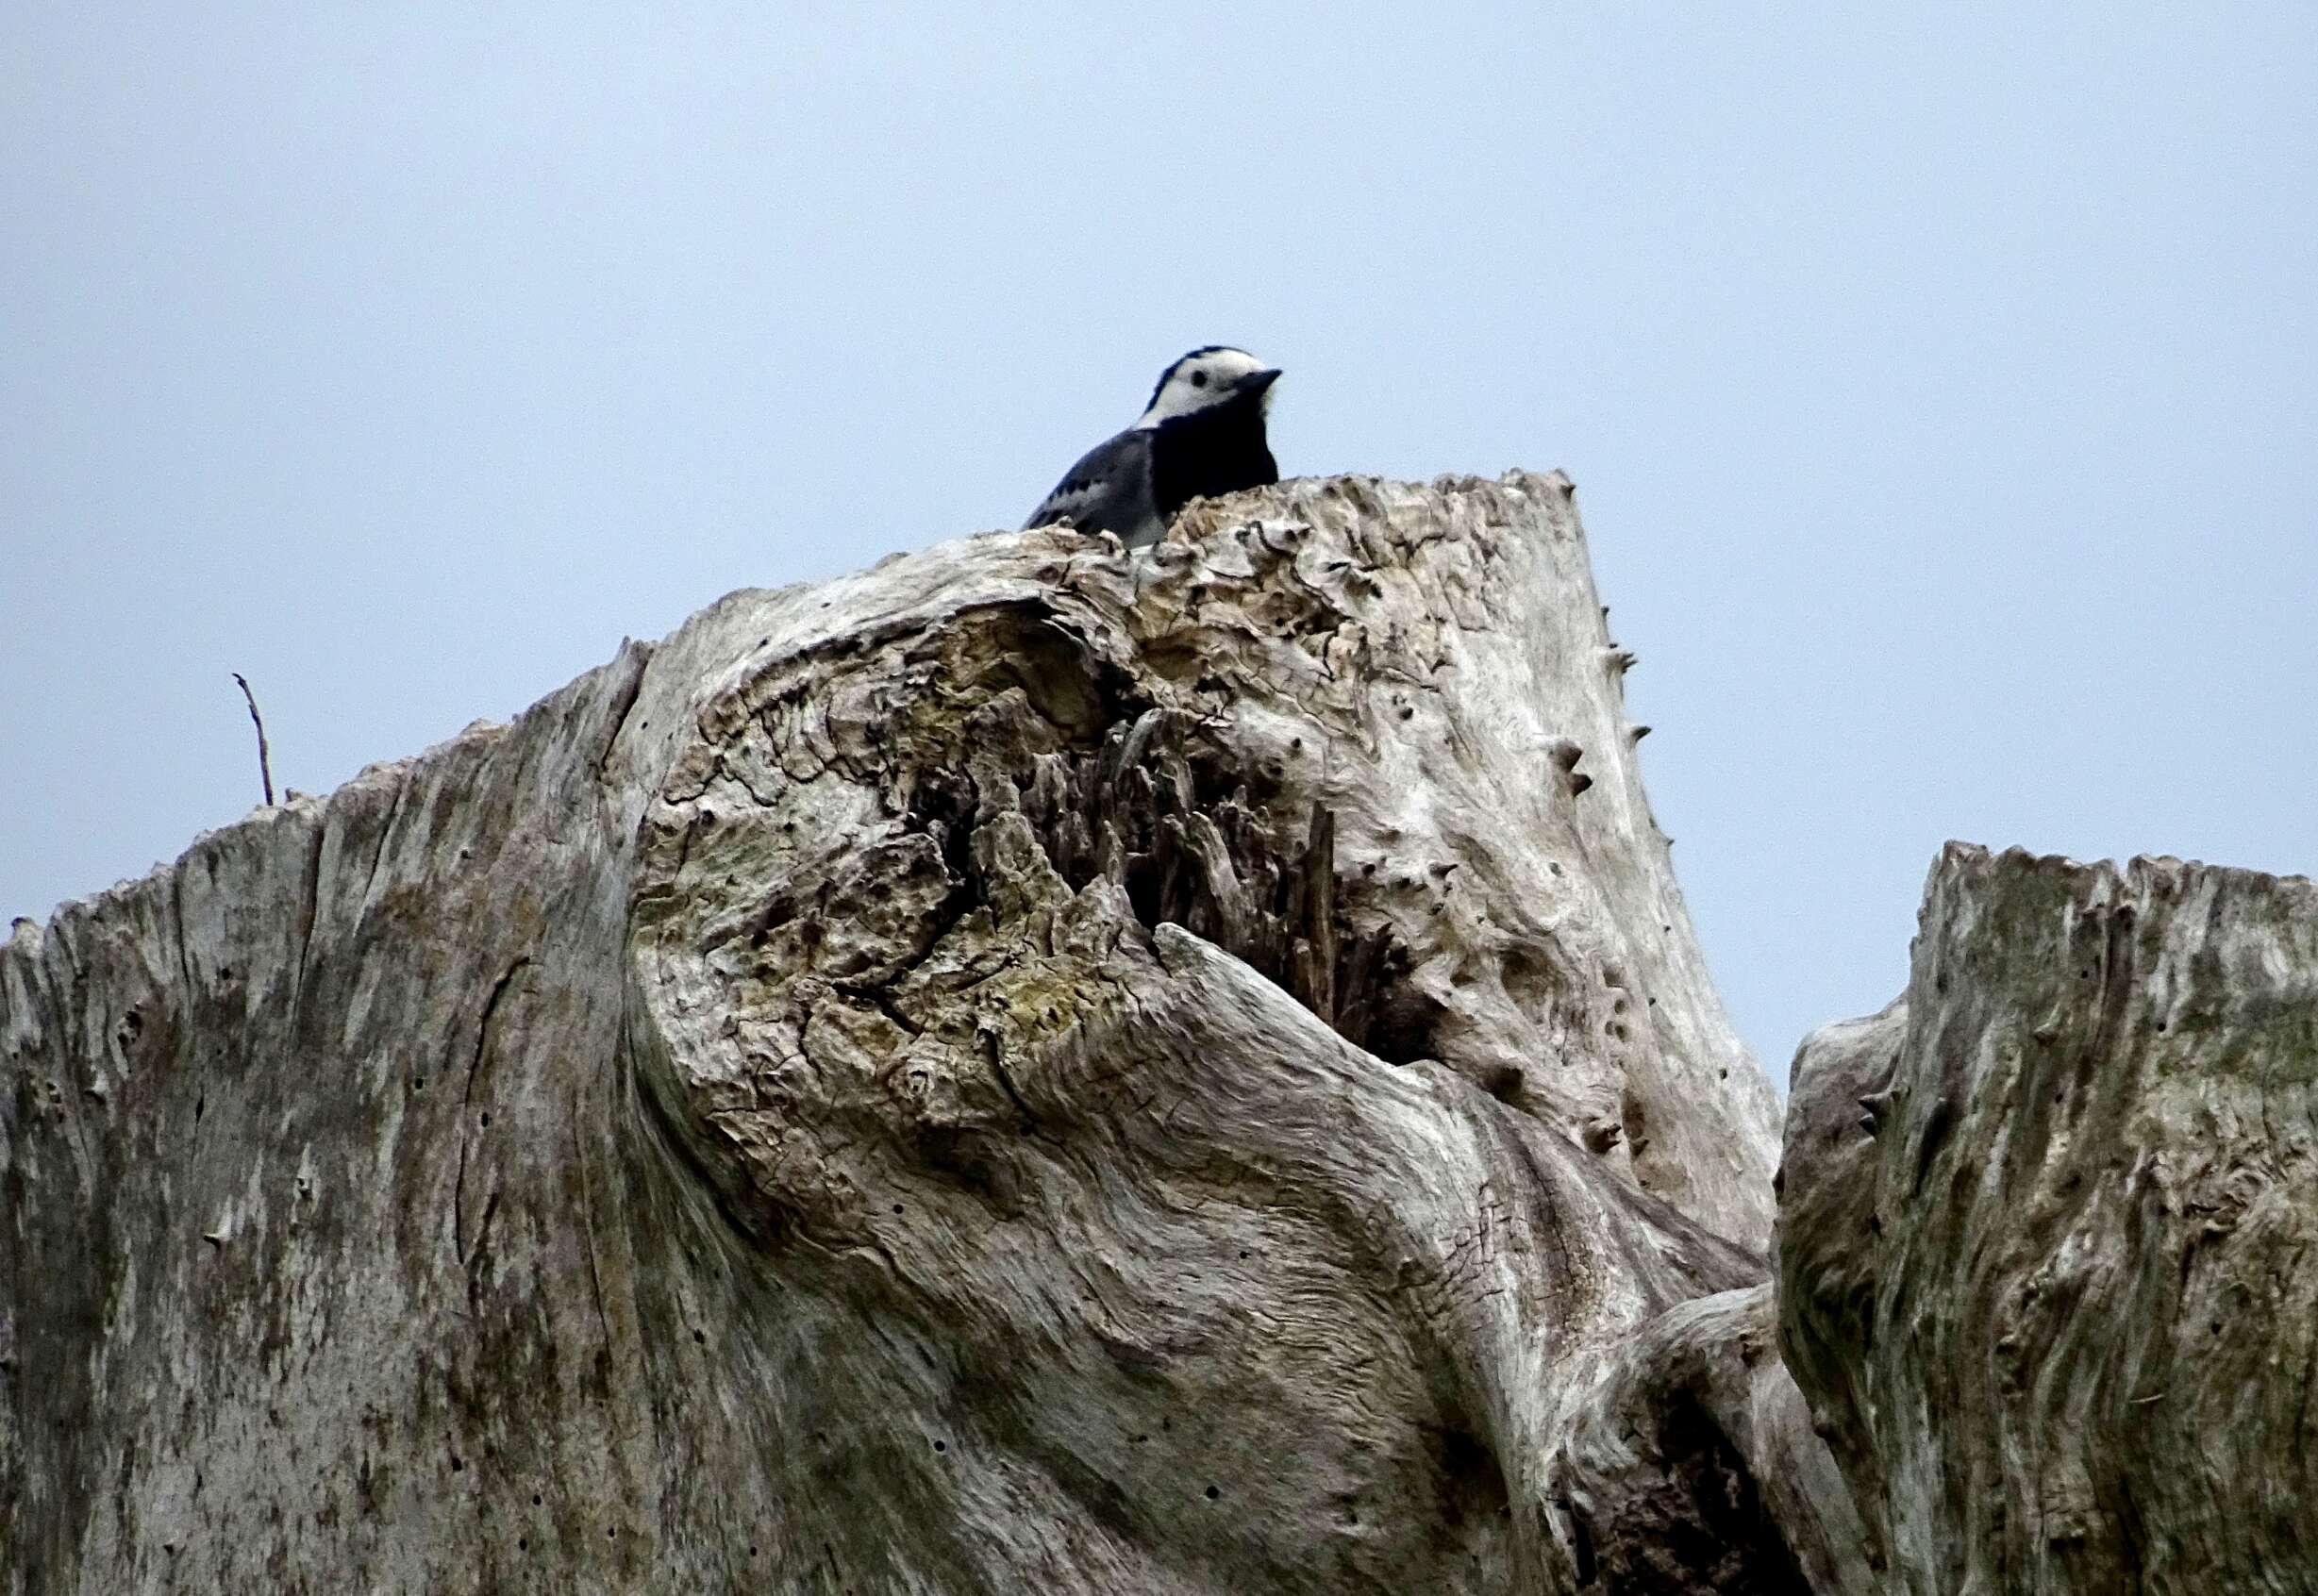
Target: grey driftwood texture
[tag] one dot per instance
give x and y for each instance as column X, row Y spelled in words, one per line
column 1022, row 1070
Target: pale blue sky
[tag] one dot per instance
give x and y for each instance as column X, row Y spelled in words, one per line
column 1941, row 382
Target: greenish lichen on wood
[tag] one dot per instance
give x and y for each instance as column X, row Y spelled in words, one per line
column 2045, row 1228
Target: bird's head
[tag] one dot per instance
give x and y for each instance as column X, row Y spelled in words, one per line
column 1207, row 377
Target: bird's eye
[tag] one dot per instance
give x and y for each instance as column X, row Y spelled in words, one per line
column 1199, row 379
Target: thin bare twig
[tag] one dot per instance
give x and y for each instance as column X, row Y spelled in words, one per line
column 265, row 763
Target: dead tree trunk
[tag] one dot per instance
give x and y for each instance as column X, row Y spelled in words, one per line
column 2046, row 1238
column 1022, row 1069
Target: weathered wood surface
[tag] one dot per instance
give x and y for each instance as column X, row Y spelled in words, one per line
column 2046, row 1238
column 1020, row 1069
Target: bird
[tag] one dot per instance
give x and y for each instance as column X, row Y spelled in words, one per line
column 1201, row 435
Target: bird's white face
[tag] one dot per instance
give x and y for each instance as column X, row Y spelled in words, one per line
column 1204, row 378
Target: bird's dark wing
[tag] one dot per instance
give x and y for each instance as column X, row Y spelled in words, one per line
column 1108, row 491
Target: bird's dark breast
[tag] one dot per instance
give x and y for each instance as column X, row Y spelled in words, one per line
column 1199, row 456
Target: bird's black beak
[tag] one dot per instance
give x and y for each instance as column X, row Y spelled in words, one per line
column 1255, row 382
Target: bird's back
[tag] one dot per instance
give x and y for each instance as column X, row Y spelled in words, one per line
column 1109, row 489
